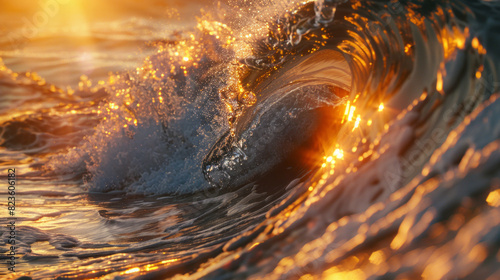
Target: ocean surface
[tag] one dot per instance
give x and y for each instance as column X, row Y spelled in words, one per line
column 258, row 139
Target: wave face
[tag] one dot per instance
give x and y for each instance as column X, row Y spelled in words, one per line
column 275, row 139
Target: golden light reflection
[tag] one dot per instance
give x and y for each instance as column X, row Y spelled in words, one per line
column 407, row 48
column 169, row 261
column 338, row 153
column 475, row 43
column 493, row 198
column 478, row 74
column 150, row 267
column 377, row 257
column 356, row 124
column 351, row 113
column 478, row 253
column 306, row 277
column 439, row 82
column 253, row 245
column 145, row 268
column 335, row 274
column 132, row 270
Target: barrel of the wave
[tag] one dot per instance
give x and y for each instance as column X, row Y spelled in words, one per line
column 295, row 117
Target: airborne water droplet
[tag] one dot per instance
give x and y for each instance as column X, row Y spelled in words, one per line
column 325, row 10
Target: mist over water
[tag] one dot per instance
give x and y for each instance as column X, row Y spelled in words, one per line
column 267, row 139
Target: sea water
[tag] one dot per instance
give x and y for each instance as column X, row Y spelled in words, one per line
column 250, row 139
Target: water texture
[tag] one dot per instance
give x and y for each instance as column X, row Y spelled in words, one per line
column 251, row 140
